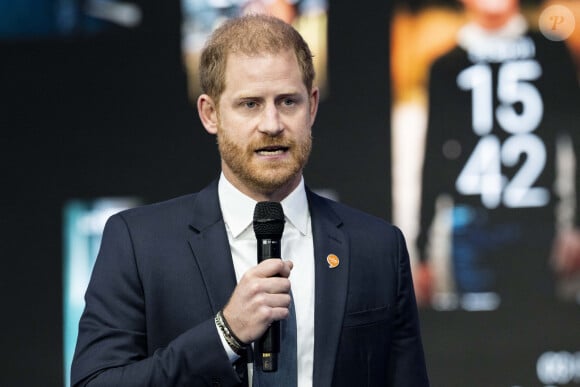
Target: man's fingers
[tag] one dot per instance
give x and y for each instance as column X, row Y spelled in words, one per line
column 277, row 300
column 273, row 307
column 274, row 267
column 273, row 285
column 261, row 297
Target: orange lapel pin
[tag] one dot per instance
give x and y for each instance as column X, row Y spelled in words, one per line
column 332, row 260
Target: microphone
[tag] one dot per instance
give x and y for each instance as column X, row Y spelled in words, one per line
column 268, row 227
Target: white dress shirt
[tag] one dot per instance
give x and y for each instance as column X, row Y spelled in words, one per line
column 297, row 246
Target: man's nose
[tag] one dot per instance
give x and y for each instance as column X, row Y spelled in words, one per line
column 270, row 121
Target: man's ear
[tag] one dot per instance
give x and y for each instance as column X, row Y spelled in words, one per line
column 314, row 99
column 207, row 110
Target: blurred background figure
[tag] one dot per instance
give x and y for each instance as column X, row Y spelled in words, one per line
column 498, row 178
column 488, row 103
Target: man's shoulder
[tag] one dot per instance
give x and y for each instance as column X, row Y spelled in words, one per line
column 350, row 216
column 176, row 204
column 178, row 210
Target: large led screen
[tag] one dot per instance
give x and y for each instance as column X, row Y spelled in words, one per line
column 201, row 17
column 485, row 138
column 83, row 224
column 42, row 19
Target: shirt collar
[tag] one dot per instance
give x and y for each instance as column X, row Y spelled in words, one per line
column 238, row 209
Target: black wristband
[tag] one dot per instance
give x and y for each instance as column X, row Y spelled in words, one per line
column 237, row 345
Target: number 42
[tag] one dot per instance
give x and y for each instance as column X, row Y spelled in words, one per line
column 482, row 174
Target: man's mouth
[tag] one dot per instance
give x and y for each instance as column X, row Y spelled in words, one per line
column 272, row 150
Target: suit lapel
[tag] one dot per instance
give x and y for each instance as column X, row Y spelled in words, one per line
column 210, row 247
column 331, row 287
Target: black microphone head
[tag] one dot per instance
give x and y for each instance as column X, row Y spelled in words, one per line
column 268, row 220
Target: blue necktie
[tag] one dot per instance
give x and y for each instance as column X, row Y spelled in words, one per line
column 287, row 374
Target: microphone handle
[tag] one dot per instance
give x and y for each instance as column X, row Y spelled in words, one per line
column 269, row 344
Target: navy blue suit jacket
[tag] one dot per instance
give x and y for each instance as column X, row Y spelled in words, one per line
column 165, row 270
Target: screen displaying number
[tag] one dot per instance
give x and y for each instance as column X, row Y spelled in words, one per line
column 519, row 112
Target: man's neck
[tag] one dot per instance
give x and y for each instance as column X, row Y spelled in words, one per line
column 276, row 195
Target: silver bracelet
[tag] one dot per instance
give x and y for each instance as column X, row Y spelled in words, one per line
column 233, row 341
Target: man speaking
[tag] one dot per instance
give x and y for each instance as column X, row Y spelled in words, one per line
column 177, row 296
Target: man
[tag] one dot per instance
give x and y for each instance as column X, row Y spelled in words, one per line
column 163, row 307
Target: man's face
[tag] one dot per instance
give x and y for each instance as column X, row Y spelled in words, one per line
column 264, row 120
column 492, row 14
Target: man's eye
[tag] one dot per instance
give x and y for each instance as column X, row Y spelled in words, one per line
column 250, row 104
column 289, row 102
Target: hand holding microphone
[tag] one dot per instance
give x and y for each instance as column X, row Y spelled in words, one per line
column 262, row 297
